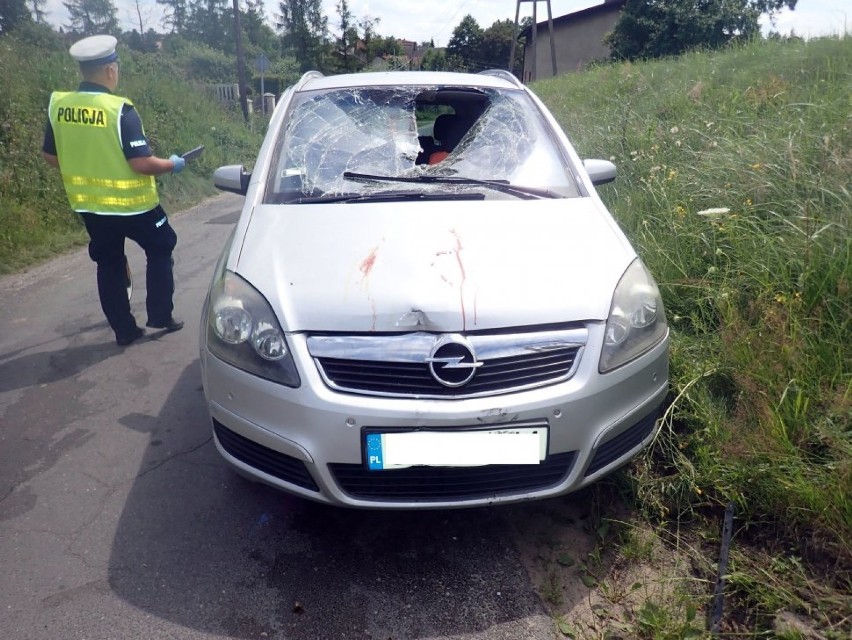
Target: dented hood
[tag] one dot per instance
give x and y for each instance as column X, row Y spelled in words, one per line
column 442, row 266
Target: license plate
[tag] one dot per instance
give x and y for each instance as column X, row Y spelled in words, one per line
column 516, row 445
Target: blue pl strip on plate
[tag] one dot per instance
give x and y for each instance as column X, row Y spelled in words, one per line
column 374, row 451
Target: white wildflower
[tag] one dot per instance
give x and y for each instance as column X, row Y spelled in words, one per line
column 714, row 213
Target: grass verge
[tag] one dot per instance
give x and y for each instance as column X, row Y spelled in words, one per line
column 734, row 177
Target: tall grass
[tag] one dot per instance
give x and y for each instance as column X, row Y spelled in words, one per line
column 35, row 219
column 734, row 182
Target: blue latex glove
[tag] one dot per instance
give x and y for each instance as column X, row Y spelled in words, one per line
column 180, row 163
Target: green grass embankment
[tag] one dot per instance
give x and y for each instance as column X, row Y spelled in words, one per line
column 735, row 170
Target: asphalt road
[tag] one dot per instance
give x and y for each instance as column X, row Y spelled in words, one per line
column 118, row 518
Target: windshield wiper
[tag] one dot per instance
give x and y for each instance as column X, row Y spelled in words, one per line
column 386, row 196
column 504, row 186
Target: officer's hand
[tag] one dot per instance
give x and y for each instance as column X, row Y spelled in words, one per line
column 179, row 163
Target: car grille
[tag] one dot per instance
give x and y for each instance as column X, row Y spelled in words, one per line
column 408, row 379
column 399, row 365
column 612, row 450
column 264, row 459
column 432, row 484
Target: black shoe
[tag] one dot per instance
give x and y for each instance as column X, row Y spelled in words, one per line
column 172, row 324
column 123, row 341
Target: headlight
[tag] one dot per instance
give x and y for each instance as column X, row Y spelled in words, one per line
column 243, row 331
column 637, row 320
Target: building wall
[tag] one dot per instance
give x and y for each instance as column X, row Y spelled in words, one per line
column 579, row 41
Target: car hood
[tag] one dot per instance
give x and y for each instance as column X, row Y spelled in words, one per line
column 445, row 266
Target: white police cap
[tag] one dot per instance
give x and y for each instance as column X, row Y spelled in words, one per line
column 95, row 50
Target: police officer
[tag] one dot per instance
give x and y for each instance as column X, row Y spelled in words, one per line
column 95, row 138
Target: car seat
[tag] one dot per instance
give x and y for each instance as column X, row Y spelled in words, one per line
column 448, row 130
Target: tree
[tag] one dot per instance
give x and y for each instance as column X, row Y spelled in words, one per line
column 656, row 28
column 143, row 11
column 434, row 60
column 12, row 14
column 211, row 22
column 259, row 35
column 176, row 14
column 38, row 12
column 465, row 43
column 287, row 70
column 303, row 30
column 368, row 28
column 91, row 17
column 348, row 35
column 380, row 47
column 496, row 44
column 146, row 42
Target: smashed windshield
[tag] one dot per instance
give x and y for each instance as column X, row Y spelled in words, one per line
column 437, row 140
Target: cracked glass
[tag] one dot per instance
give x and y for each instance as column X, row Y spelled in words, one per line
column 410, row 141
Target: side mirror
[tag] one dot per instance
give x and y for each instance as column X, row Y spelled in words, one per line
column 600, row 171
column 233, row 178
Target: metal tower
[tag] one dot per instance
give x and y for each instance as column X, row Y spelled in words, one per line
column 534, row 35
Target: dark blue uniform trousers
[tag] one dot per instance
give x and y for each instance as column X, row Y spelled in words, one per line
column 152, row 232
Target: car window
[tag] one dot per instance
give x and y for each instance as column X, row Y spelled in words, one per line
column 409, row 132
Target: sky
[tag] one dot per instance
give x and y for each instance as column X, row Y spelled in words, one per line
column 424, row 20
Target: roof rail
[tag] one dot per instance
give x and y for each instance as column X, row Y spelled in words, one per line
column 307, row 77
column 505, row 75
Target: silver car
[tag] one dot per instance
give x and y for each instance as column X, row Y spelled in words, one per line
column 425, row 304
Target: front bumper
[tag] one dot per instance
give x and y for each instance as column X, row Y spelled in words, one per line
column 309, row 441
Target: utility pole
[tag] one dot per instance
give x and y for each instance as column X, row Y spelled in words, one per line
column 241, row 63
column 534, row 36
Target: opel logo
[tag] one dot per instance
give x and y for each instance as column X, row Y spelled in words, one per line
column 452, row 361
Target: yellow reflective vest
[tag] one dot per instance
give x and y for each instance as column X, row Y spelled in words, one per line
column 97, row 176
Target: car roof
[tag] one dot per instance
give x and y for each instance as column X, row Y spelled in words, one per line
column 491, row 80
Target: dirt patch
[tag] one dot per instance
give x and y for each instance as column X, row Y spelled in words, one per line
column 600, row 573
